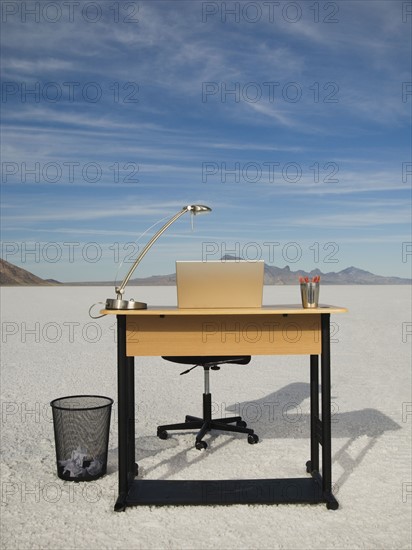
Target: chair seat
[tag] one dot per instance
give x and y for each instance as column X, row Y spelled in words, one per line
column 210, row 359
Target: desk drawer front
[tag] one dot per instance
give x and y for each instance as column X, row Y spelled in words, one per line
column 223, row 335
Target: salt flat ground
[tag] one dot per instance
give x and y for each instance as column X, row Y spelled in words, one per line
column 52, row 348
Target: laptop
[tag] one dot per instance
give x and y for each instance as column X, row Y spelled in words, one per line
column 215, row 284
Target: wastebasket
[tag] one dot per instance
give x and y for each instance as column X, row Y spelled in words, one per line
column 81, row 432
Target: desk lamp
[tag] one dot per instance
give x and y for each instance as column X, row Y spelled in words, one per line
column 119, row 303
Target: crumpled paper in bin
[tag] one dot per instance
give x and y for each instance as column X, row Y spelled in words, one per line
column 75, row 465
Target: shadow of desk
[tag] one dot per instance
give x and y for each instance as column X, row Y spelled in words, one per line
column 270, row 330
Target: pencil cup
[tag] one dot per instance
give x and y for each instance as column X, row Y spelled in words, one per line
column 310, row 294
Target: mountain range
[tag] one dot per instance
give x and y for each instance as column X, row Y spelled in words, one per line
column 11, row 274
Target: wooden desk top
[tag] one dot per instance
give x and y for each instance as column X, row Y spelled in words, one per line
column 289, row 309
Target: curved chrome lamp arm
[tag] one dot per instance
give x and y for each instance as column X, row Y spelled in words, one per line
column 119, row 303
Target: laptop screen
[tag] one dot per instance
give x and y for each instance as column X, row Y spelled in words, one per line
column 215, row 284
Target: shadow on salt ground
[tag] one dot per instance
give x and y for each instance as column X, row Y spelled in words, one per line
column 149, row 446
column 279, row 415
column 276, row 416
column 182, row 459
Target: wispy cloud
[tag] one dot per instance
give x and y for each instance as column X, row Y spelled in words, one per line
column 348, row 121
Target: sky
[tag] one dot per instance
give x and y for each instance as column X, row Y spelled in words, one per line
column 290, row 120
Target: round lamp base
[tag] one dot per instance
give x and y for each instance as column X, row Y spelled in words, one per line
column 114, row 303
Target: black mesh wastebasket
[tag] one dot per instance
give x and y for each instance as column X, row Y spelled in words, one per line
column 81, row 433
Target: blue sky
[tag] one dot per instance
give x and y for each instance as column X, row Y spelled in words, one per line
column 291, row 120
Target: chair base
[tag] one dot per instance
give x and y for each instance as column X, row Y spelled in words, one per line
column 207, row 424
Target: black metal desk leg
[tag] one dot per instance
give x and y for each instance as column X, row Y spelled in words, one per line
column 313, row 465
column 131, row 465
column 326, row 414
column 123, row 366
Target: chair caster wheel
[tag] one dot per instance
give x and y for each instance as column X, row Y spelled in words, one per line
column 241, row 424
column 308, row 467
column 332, row 505
column 162, row 434
column 201, row 445
column 136, row 470
column 252, row 439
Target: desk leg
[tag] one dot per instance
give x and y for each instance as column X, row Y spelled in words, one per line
column 313, row 465
column 125, row 398
column 326, row 414
column 132, row 467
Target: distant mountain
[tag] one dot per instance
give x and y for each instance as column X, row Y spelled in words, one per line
column 348, row 276
column 13, row 275
column 282, row 276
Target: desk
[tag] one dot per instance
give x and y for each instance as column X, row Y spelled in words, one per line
column 270, row 330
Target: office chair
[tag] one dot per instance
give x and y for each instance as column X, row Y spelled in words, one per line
column 207, row 423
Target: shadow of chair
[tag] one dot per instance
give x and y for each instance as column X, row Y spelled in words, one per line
column 280, row 415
